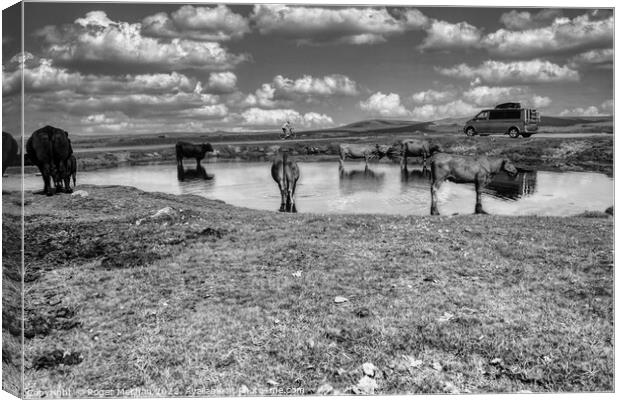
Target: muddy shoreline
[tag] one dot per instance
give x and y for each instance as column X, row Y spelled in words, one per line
column 593, row 154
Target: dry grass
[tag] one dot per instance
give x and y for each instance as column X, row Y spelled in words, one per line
column 216, row 297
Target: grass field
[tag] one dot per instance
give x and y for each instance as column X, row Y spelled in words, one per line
column 205, row 298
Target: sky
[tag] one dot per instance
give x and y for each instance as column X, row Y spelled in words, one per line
column 127, row 68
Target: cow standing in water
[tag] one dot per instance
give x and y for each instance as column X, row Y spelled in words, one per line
column 286, row 173
column 414, row 148
column 190, row 150
column 466, row 169
column 365, row 151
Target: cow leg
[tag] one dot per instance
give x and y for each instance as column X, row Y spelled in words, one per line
column 434, row 188
column 66, row 175
column 403, row 161
column 293, row 209
column 180, row 172
column 282, row 196
column 479, row 185
column 46, row 172
column 366, row 160
column 423, row 160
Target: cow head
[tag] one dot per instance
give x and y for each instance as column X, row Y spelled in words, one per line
column 509, row 167
column 206, row 147
column 435, row 148
column 381, row 150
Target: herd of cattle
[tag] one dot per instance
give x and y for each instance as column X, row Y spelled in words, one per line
column 50, row 150
column 443, row 167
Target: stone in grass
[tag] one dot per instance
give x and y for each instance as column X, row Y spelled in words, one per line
column 369, row 369
column 271, row 382
column 610, row 210
column 80, row 193
column 340, row 299
column 366, row 385
column 324, row 389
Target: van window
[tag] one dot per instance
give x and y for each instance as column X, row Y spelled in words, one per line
column 505, row 114
column 482, row 115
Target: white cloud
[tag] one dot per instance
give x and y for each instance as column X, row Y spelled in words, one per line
column 494, row 72
column 41, row 74
column 431, row 112
column 442, row 35
column 485, row 96
column 350, row 25
column 222, row 82
column 608, row 106
column 327, row 86
column 217, row 23
column 599, row 58
column 605, row 108
column 385, row 105
column 591, row 111
column 433, row 96
column 260, row 117
column 519, row 20
column 563, row 35
column 96, row 38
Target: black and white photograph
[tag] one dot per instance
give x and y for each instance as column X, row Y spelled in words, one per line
column 211, row 199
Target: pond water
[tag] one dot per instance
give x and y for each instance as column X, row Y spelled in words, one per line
column 380, row 189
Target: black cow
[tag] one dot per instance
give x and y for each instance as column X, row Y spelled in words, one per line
column 49, row 149
column 190, row 150
column 286, row 173
column 9, row 150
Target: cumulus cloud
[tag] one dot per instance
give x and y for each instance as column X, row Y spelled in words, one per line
column 337, row 25
column 453, row 109
column 96, row 38
column 41, row 75
column 385, row 105
column 605, row 108
column 520, row 20
column 494, row 72
column 217, row 23
column 222, row 82
column 442, row 35
column 608, row 106
column 433, row 96
column 485, row 96
column 326, row 86
column 267, row 118
column 599, row 58
column 282, row 91
column 563, row 35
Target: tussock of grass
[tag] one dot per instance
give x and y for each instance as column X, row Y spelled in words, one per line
column 452, row 304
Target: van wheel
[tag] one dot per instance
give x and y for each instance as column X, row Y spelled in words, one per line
column 470, row 131
column 513, row 132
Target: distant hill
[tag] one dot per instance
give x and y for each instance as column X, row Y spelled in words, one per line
column 568, row 121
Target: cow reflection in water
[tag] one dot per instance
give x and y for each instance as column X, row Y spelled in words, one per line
column 420, row 177
column 359, row 180
column 505, row 186
column 192, row 174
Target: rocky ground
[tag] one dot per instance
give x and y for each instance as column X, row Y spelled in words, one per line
column 164, row 295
